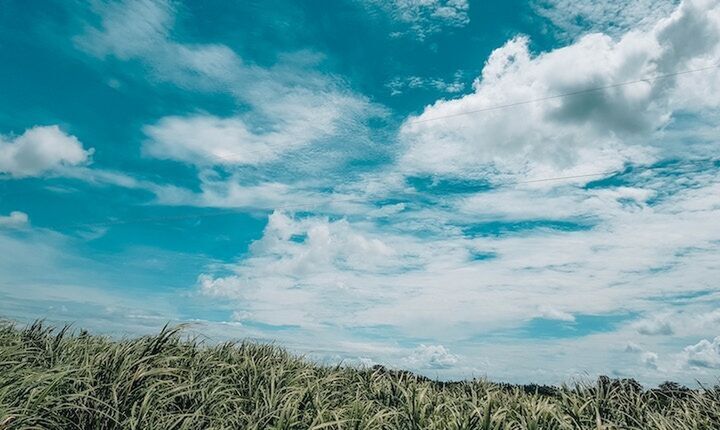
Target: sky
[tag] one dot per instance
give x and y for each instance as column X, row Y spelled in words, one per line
column 518, row 190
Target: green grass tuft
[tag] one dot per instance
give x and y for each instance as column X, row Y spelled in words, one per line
column 55, row 379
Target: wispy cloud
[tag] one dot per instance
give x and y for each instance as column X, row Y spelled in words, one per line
column 425, row 17
column 287, row 106
column 574, row 18
column 398, row 85
column 140, row 30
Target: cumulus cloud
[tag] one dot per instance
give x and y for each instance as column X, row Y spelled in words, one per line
column 633, row 347
column 39, row 150
column 681, row 322
column 649, row 359
column 338, row 272
column 584, row 133
column 704, row 354
column 313, row 245
column 15, row 219
column 655, row 327
column 555, row 314
column 431, row 357
column 710, row 319
column 309, row 266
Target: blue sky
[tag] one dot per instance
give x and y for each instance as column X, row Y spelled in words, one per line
column 307, row 172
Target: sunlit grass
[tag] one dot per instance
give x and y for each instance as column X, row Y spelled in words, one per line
column 54, row 379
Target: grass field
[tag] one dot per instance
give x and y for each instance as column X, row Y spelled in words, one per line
column 54, row 379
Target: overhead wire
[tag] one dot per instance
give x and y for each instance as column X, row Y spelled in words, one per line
column 328, row 201
column 562, row 95
column 112, row 222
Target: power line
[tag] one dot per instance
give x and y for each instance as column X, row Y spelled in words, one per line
column 164, row 219
column 214, row 214
column 588, row 175
column 569, row 94
column 228, row 157
column 470, row 112
column 508, row 105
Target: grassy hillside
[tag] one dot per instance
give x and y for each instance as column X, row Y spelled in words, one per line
column 57, row 380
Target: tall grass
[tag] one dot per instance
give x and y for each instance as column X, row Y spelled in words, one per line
column 54, row 379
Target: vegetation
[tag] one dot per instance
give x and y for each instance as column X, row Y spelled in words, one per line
column 61, row 380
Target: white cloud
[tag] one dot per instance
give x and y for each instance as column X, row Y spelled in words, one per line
column 413, row 272
column 654, row 327
column 399, row 85
column 288, row 106
column 297, row 122
column 407, row 269
column 15, row 219
column 425, row 17
column 231, row 193
column 710, row 319
column 140, row 30
column 576, row 17
column 313, row 267
column 128, row 28
column 633, row 347
column 681, row 322
column 649, row 359
column 218, row 140
column 580, row 134
column 331, row 272
column 704, row 354
column 555, row 314
column 431, row 357
column 39, row 150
